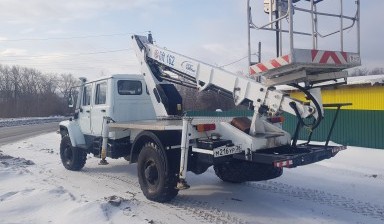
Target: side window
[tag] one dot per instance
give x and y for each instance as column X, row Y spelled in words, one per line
column 129, row 87
column 87, row 95
column 101, row 93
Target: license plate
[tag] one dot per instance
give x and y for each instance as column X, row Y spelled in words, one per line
column 226, row 150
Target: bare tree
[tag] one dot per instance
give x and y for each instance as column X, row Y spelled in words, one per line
column 28, row 92
column 377, row 71
column 359, row 72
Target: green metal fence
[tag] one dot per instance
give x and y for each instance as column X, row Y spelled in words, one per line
column 353, row 127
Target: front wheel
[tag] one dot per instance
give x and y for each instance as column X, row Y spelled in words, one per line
column 73, row 158
column 157, row 178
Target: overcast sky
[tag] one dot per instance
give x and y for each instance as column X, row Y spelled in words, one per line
column 92, row 37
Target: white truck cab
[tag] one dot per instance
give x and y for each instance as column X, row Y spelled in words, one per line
column 121, row 97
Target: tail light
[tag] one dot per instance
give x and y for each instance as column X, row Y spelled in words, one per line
column 205, row 127
column 279, row 119
column 285, row 163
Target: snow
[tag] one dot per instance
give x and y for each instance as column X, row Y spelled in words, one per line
column 368, row 79
column 36, row 188
column 8, row 122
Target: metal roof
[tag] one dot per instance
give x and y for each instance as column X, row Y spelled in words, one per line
column 352, row 80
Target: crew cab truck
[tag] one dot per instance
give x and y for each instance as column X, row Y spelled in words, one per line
column 140, row 117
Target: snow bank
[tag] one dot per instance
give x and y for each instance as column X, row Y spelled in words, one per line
column 8, row 122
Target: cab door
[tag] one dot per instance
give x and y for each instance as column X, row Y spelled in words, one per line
column 85, row 109
column 100, row 107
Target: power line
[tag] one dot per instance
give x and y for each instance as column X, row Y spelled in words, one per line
column 234, row 62
column 68, row 38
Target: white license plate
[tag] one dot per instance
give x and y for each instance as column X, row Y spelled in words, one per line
column 226, row 150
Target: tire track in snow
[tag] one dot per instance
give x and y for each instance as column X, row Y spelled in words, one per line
column 203, row 210
column 318, row 196
column 200, row 210
column 354, row 173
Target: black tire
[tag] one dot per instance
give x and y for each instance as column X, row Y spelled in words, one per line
column 157, row 178
column 242, row 171
column 73, row 158
column 229, row 172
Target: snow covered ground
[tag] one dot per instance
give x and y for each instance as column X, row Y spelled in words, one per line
column 9, row 122
column 35, row 188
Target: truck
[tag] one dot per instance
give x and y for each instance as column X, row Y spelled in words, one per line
column 140, row 117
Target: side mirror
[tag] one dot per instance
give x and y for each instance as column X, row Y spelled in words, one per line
column 70, row 101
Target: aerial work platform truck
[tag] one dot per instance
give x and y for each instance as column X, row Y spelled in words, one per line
column 140, row 116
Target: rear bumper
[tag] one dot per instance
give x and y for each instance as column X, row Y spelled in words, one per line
column 292, row 156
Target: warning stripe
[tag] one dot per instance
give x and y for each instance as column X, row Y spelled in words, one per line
column 275, row 63
column 329, row 57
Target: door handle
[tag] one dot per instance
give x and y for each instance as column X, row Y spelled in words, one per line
column 103, row 110
column 88, row 111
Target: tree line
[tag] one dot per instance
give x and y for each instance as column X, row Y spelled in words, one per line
column 366, row 71
column 27, row 92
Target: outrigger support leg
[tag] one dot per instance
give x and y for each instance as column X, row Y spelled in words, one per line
column 182, row 184
column 104, row 144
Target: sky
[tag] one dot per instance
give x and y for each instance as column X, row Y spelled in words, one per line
column 91, row 38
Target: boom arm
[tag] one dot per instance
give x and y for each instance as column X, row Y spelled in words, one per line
column 154, row 59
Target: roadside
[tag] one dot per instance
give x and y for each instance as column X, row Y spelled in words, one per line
column 15, row 133
column 11, row 122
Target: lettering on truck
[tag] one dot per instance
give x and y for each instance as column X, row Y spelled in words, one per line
column 226, row 150
column 168, row 59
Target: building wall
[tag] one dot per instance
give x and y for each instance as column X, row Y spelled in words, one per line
column 361, row 124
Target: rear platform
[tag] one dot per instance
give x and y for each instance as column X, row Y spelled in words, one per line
column 294, row 21
column 304, row 65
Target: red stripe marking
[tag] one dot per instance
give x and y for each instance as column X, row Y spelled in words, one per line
column 335, row 58
column 314, row 54
column 262, row 67
column 275, row 63
column 325, row 57
column 345, row 56
column 252, row 71
column 329, row 54
column 286, row 58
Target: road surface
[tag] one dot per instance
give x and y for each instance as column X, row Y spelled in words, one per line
column 15, row 133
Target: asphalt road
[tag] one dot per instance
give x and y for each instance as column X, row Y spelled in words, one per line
column 12, row 134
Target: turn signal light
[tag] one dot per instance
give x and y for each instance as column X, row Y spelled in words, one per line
column 205, row 127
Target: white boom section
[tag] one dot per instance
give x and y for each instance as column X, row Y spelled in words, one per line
column 206, row 75
column 149, row 78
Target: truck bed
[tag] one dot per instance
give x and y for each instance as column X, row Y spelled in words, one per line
column 154, row 125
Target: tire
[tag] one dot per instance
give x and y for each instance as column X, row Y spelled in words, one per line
column 229, row 172
column 157, row 178
column 73, row 158
column 242, row 171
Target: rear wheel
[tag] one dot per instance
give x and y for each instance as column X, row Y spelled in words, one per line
column 73, row 158
column 157, row 178
column 241, row 171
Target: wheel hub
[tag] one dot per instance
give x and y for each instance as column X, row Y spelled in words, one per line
column 151, row 173
column 68, row 153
